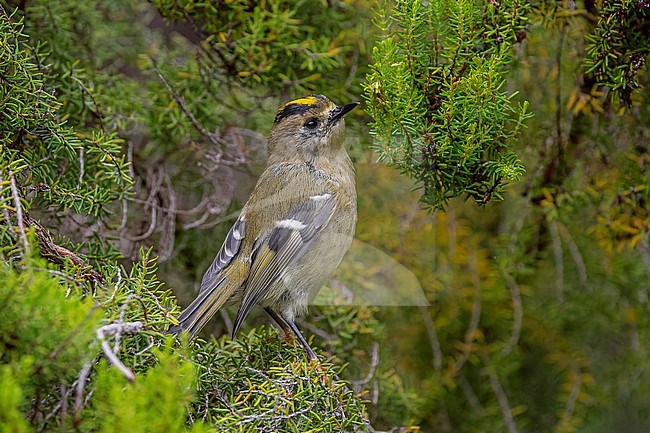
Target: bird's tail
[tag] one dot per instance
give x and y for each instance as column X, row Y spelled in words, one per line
column 201, row 310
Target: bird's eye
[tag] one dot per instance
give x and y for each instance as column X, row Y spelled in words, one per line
column 311, row 124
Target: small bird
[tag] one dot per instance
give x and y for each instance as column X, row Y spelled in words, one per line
column 295, row 227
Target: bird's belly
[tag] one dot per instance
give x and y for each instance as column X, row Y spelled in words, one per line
column 295, row 289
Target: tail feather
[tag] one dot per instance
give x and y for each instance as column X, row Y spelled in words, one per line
column 201, row 310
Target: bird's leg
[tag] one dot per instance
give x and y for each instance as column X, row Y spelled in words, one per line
column 289, row 329
column 280, row 321
column 310, row 353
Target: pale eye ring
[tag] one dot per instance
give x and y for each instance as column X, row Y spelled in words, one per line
column 311, row 124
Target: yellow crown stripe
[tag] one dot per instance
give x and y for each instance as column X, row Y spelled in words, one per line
column 309, row 100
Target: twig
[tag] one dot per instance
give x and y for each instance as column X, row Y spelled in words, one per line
column 82, row 165
column 113, row 359
column 58, row 274
column 642, row 247
column 152, row 227
column 170, row 221
column 214, row 138
column 152, row 342
column 558, row 95
column 374, row 362
column 7, row 216
column 98, row 112
column 274, row 415
column 129, row 328
column 125, row 305
column 57, row 254
column 125, row 210
column 200, row 222
column 433, row 340
column 517, row 315
column 60, row 406
column 576, row 379
column 575, row 253
column 503, row 401
column 8, row 221
column 81, row 383
column 513, row 286
column 55, row 353
column 316, row 330
column 470, row 395
column 137, row 298
column 157, row 178
column 470, row 334
column 559, row 261
column 19, row 212
column 125, row 204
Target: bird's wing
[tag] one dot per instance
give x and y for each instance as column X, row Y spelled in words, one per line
column 216, row 287
column 229, row 249
column 282, row 245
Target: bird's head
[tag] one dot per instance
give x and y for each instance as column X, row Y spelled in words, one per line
column 308, row 127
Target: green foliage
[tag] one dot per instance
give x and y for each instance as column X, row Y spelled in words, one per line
column 154, row 402
column 618, row 47
column 261, row 383
column 138, row 296
column 275, row 43
column 531, row 295
column 49, row 158
column 49, row 341
column 11, row 399
column 52, row 340
column 435, row 93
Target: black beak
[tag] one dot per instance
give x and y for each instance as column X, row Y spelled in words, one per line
column 339, row 112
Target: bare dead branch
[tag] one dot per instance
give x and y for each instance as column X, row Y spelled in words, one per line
column 433, row 340
column 81, row 384
column 517, row 315
column 374, row 362
column 470, row 334
column 155, row 179
column 503, row 401
column 8, row 219
column 214, row 138
column 19, row 212
column 59, row 255
column 575, row 254
column 82, row 165
column 117, row 329
column 169, row 225
column 470, row 395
